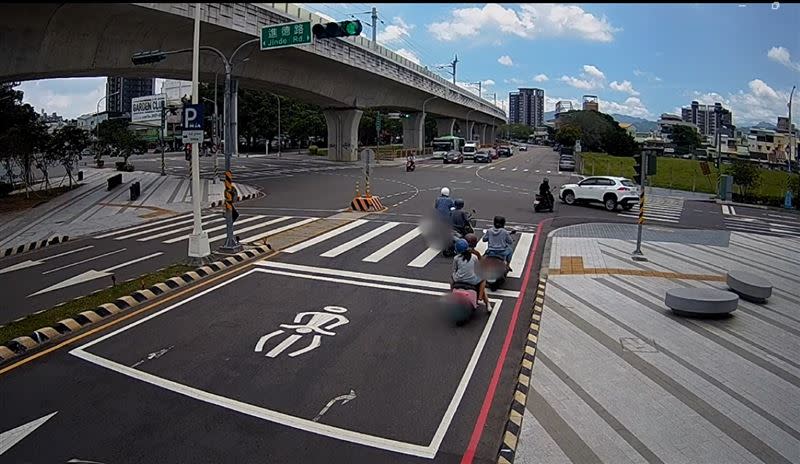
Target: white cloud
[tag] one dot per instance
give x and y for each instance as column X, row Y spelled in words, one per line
column 782, row 56
column 409, row 55
column 69, row 98
column 647, row 74
column 593, row 72
column 759, row 103
column 529, row 21
column 514, row 80
column 505, row 60
column 541, row 78
column 590, row 78
column 632, row 106
column 395, row 32
column 578, row 83
column 624, row 86
column 487, row 82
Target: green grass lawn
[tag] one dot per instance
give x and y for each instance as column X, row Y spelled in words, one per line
column 678, row 174
column 75, row 307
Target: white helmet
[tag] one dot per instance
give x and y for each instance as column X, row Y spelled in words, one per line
column 445, row 191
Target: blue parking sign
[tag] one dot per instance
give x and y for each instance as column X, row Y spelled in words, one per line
column 193, row 117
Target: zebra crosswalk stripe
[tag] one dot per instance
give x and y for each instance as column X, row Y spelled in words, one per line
column 182, row 229
column 424, row 258
column 214, row 229
column 154, row 229
column 393, row 246
column 143, row 226
column 277, row 231
column 253, row 227
column 325, row 236
column 359, row 240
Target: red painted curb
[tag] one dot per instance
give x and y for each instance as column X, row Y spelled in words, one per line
column 477, row 431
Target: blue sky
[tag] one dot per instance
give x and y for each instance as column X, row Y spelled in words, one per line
column 640, row 60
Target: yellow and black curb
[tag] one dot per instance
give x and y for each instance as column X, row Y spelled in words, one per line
column 249, row 196
column 34, row 245
column 367, row 204
column 513, row 426
column 21, row 345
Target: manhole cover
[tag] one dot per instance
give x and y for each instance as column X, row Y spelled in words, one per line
column 637, row 345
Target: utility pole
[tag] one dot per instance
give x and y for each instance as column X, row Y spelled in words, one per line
column 455, row 62
column 374, row 24
column 198, row 241
column 791, row 135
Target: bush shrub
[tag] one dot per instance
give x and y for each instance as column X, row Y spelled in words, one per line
column 5, row 189
column 312, row 150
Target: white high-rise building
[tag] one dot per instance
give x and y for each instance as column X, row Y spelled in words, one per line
column 175, row 90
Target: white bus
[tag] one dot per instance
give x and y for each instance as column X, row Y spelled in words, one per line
column 442, row 145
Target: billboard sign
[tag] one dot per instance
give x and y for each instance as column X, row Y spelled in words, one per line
column 147, row 108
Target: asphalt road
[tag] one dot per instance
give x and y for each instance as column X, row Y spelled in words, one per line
column 334, row 350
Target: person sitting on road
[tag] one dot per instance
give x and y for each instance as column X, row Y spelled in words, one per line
column 465, row 271
column 460, row 218
column 499, row 240
column 444, row 203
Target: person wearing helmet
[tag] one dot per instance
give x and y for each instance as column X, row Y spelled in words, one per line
column 459, row 218
column 444, row 203
column 544, row 192
column 499, row 240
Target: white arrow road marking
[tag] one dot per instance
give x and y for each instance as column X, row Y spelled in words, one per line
column 31, row 263
column 15, row 435
column 154, row 355
column 343, row 398
column 84, row 261
column 91, row 274
column 81, row 461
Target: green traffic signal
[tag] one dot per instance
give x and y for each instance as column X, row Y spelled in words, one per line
column 346, row 28
column 351, row 28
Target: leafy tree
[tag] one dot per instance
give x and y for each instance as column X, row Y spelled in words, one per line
column 746, row 175
column 390, row 128
column 793, row 185
column 685, row 138
column 65, row 147
column 516, row 131
column 619, row 143
column 567, row 135
column 116, row 139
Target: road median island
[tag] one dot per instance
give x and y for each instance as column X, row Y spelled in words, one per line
column 26, row 334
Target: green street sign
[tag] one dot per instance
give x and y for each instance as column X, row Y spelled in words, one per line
column 286, row 35
column 378, row 122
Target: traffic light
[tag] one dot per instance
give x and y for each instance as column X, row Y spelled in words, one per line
column 637, row 167
column 148, row 57
column 347, row 28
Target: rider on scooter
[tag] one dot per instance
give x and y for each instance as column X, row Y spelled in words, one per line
column 444, row 203
column 464, row 272
column 500, row 241
column 460, row 218
column 544, row 192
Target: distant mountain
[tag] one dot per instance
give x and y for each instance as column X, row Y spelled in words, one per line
column 642, row 125
column 765, row 125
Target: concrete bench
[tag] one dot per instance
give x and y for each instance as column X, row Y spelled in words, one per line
column 701, row 301
column 749, row 286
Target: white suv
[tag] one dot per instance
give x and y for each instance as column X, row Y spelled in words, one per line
column 610, row 191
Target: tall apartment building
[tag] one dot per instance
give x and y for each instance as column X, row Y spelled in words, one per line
column 120, row 91
column 526, row 107
column 704, row 117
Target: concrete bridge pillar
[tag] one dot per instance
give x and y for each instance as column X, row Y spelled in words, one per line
column 468, row 130
column 414, row 131
column 482, row 133
column 342, row 134
column 445, row 126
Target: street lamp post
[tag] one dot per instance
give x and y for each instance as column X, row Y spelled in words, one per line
column 791, row 135
column 421, row 142
column 280, row 140
column 231, row 244
column 97, row 127
column 216, row 131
